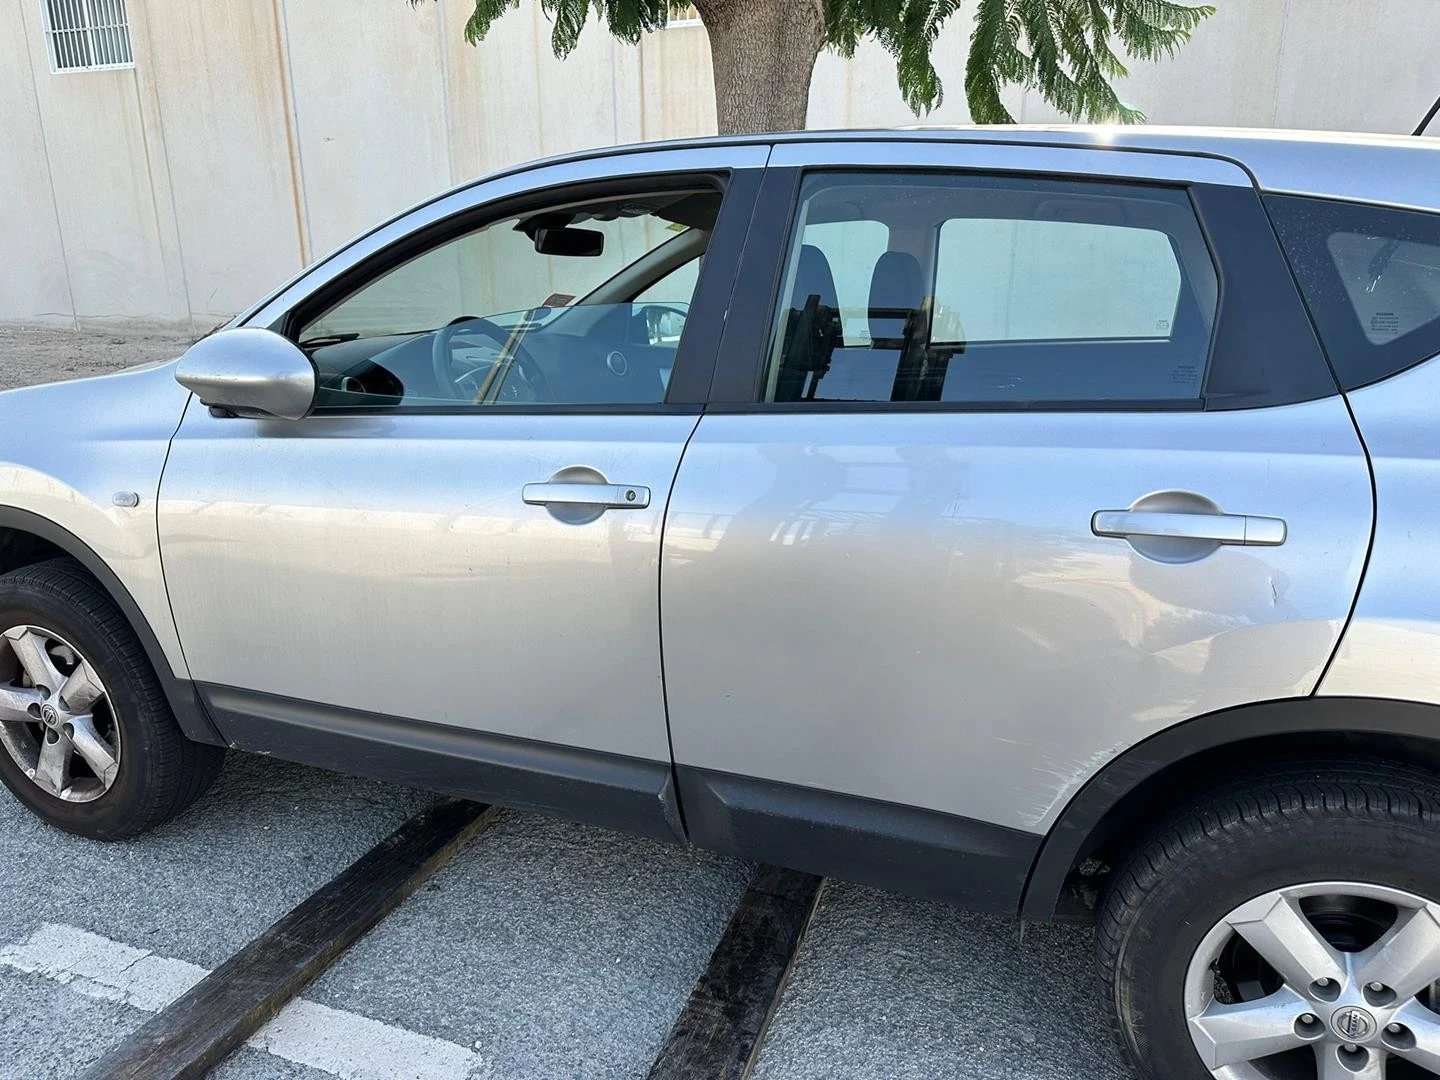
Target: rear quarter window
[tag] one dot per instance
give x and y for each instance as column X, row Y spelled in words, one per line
column 1371, row 277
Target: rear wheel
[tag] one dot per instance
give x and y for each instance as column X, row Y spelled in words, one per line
column 87, row 739
column 1288, row 929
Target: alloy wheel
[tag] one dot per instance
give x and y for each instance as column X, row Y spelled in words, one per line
column 1324, row 981
column 56, row 718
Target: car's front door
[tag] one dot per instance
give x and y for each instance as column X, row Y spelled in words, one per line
column 449, row 571
column 1037, row 456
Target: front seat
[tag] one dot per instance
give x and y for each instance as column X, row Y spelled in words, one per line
column 812, row 326
column 897, row 297
column 880, row 371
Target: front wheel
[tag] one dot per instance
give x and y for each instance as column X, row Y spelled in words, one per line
column 87, row 739
column 1286, row 930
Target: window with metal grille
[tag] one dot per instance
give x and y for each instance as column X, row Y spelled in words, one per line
column 87, row 35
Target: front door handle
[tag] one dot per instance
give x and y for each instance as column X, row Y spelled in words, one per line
column 610, row 496
column 1246, row 529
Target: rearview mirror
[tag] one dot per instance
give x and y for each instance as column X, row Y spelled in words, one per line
column 249, row 372
column 579, row 243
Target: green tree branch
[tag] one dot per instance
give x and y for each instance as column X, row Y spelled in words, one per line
column 1065, row 49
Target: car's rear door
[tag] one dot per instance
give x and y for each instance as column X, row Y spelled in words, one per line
column 463, row 593
column 1019, row 455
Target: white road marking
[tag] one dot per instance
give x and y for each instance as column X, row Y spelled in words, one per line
column 348, row 1045
column 343, row 1044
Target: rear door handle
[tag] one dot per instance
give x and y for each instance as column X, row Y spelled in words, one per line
column 1245, row 529
column 610, row 496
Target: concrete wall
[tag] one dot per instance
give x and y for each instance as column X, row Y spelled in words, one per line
column 254, row 135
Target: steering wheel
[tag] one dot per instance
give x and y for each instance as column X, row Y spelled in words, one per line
column 523, row 364
column 661, row 308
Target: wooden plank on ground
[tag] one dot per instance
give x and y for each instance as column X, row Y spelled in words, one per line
column 720, row 1030
column 200, row 1029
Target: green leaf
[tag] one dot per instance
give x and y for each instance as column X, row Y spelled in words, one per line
column 1063, row 49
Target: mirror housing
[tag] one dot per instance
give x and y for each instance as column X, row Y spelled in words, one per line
column 568, row 240
column 249, row 372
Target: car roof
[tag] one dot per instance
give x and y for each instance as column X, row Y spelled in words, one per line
column 1398, row 170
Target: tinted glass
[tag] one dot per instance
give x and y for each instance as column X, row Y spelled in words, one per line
column 1056, row 280
column 932, row 287
column 852, row 248
column 580, row 305
column 1371, row 276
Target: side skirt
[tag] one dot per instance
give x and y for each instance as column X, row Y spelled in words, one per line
column 630, row 794
column 971, row 864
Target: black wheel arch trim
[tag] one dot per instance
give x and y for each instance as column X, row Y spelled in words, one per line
column 184, row 702
column 1045, row 890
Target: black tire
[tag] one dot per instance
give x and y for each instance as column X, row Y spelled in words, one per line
column 1367, row 821
column 160, row 771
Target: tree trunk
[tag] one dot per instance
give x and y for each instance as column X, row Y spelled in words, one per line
column 763, row 54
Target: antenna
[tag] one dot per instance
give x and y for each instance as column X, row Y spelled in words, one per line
column 1428, row 117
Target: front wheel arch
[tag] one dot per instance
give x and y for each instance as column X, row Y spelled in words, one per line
column 1144, row 784
column 33, row 538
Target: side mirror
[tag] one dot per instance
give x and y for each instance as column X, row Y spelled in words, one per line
column 249, row 372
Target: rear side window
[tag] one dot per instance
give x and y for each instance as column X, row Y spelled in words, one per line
column 1371, row 276
column 1057, row 280
column 992, row 290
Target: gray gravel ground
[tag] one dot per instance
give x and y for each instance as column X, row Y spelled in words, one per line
column 553, row 950
column 50, row 1030
column 196, row 889
column 34, row 355
column 247, row 1064
column 556, row 950
column 888, row 986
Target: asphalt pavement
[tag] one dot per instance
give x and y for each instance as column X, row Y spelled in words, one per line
column 193, row 891
column 904, row 989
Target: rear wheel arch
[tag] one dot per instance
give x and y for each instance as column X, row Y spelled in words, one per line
column 27, row 538
column 1137, row 790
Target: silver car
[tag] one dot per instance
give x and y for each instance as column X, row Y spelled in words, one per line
column 1042, row 520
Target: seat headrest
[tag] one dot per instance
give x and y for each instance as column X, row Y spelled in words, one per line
column 897, row 286
column 813, row 278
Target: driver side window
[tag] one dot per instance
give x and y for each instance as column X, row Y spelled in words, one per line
column 582, row 304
